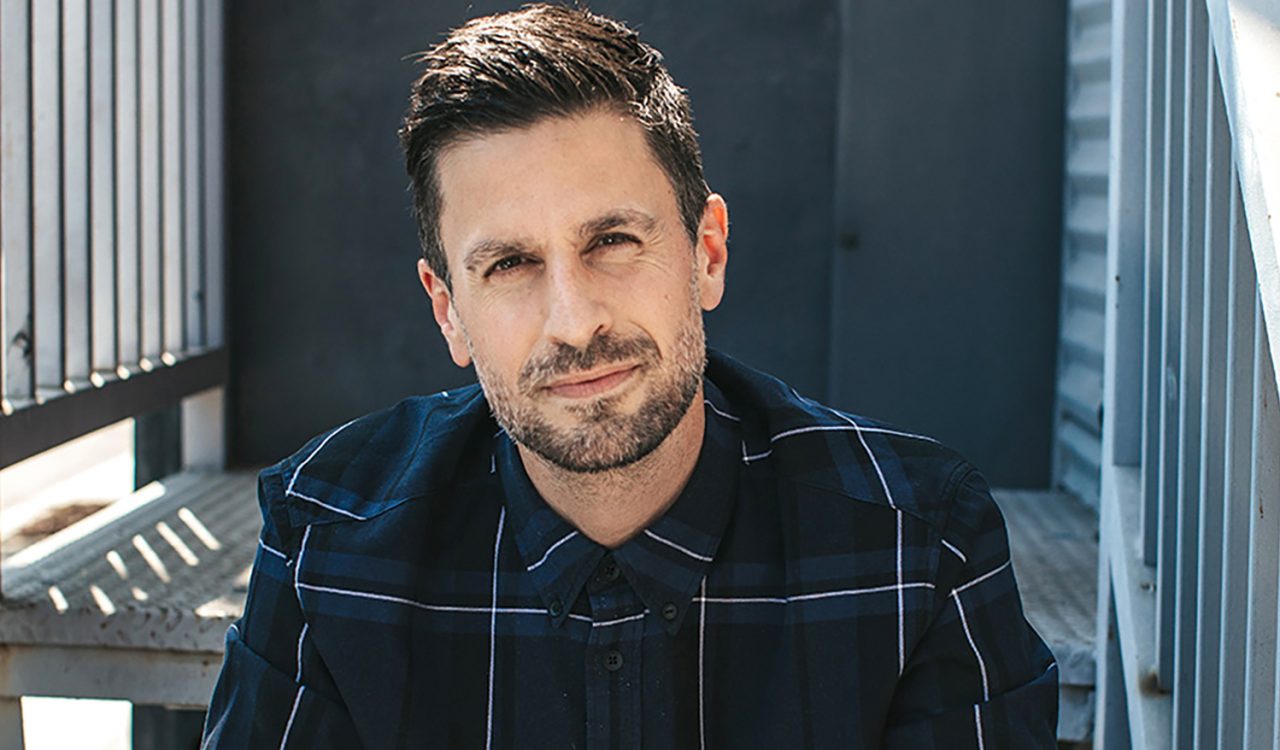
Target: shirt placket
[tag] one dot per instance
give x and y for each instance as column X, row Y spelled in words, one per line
column 613, row 660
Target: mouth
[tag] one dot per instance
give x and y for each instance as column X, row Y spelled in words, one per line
column 588, row 384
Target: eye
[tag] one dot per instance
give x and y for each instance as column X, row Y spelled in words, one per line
column 614, row 239
column 506, row 264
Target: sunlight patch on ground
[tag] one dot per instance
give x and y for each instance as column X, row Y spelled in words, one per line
column 63, row 723
column 53, row 489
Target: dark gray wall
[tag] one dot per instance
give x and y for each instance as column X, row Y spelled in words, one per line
column 327, row 318
column 945, row 283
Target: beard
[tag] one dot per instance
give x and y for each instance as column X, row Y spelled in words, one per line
column 605, row 436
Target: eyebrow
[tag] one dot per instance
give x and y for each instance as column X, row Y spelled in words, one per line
column 615, row 219
column 484, row 251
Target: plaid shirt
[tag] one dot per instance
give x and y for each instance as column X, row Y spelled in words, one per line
column 822, row 581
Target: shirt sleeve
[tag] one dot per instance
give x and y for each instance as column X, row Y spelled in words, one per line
column 980, row 677
column 263, row 697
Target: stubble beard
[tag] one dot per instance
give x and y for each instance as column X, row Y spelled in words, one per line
column 604, row 437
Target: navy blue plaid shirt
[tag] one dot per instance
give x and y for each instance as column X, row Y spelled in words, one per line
column 822, row 581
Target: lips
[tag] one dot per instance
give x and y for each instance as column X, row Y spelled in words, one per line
column 585, row 385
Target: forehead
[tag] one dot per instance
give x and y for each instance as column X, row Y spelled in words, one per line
column 535, row 183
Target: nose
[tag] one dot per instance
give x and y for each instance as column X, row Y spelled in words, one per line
column 576, row 305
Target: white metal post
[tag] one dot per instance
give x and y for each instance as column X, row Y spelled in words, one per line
column 204, row 430
column 11, row 723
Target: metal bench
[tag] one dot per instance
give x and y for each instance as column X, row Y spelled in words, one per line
column 1054, row 541
column 133, row 602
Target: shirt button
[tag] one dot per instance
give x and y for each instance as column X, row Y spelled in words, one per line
column 613, row 661
column 609, row 573
column 556, row 609
column 670, row 612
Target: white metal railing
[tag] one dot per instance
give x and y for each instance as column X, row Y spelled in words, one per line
column 111, row 231
column 112, row 305
column 1190, row 505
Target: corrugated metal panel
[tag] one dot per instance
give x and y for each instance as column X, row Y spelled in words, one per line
column 1078, row 412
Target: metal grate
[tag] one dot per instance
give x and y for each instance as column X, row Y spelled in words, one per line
column 111, row 238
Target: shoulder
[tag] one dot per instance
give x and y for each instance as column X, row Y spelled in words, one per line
column 808, row 443
column 373, row 463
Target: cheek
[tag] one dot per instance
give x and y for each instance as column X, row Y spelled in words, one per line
column 660, row 282
column 665, row 313
column 502, row 337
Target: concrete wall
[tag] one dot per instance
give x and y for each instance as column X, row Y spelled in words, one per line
column 327, row 318
column 948, row 214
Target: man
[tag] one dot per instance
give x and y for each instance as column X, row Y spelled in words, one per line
column 616, row 539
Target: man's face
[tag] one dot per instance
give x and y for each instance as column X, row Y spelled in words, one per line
column 576, row 290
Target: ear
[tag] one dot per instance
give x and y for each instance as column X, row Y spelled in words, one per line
column 712, row 251
column 445, row 313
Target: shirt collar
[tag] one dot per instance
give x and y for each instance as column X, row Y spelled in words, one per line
column 665, row 562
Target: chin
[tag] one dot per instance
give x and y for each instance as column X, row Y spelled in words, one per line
column 606, row 440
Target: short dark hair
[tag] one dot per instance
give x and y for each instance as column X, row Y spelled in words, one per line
column 511, row 70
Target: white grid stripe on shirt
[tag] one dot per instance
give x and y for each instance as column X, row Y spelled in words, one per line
column 748, row 458
column 493, row 627
column 702, row 636
column 902, row 648
column 551, row 549
column 673, row 545
column 326, row 506
column 813, row 596
column 847, row 428
column 720, row 411
column 619, row 620
column 983, row 577
column 875, row 464
column 955, row 551
column 391, row 599
column 701, row 599
column 289, row 490
column 273, row 550
column 297, row 698
column 301, row 636
column 297, row 568
column 982, row 665
column 888, row 495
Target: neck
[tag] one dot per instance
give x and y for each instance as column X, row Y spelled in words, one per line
column 612, row 506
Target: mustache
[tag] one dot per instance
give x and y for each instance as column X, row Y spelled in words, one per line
column 601, row 350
